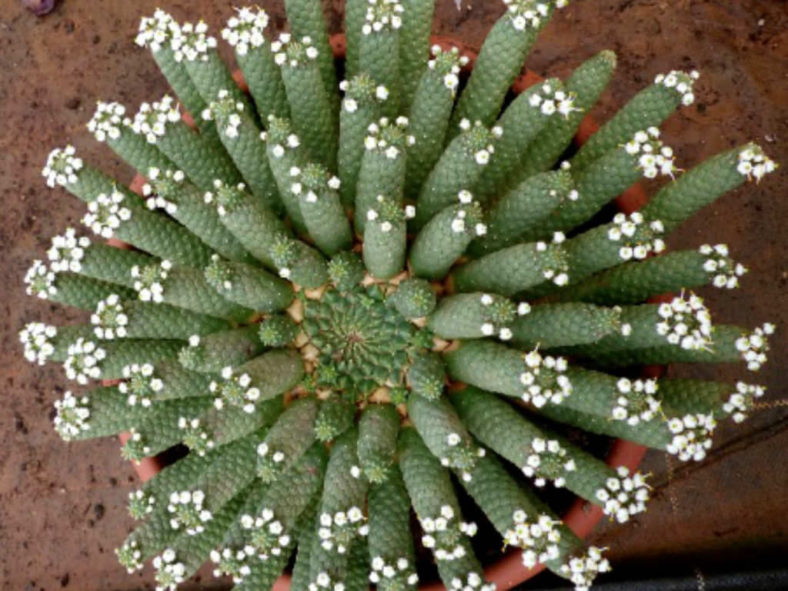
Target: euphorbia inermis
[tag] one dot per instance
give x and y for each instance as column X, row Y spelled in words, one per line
column 315, row 262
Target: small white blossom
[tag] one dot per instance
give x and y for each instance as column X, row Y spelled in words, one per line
column 635, row 401
column 388, row 137
column 382, row 15
column 681, row 83
column 149, row 281
column 724, row 271
column 685, row 323
column 525, row 14
column 637, row 237
column 473, row 582
column 71, row 416
column 547, row 460
column 441, row 534
column 653, row 157
column 187, row 511
column 448, row 65
column 232, row 562
column 62, row 167
column 106, row 213
column 337, row 532
column 692, row 436
column 191, row 42
column 140, row 385
column 228, row 111
column 156, row 32
column 267, row 535
column 67, row 252
column 623, row 495
column 141, row 503
column 553, row 259
column 753, row 347
column 754, row 163
column 544, row 379
column 152, row 119
column 130, row 556
column 291, row 52
column 235, row 390
column 37, row 339
column 582, row 570
column 482, row 157
column 169, row 572
column 109, row 320
column 40, row 281
column 741, row 401
column 245, row 30
column 397, row 574
column 107, row 121
column 549, row 100
column 539, row 539
column 83, row 360
column 196, row 437
column 323, row 582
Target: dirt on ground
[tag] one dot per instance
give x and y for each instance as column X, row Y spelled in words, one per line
column 62, row 506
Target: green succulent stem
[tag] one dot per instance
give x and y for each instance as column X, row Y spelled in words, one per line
column 499, row 62
column 586, row 84
column 211, row 353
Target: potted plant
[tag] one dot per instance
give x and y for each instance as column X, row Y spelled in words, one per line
column 350, row 306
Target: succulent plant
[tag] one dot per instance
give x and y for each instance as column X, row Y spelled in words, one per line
column 349, row 299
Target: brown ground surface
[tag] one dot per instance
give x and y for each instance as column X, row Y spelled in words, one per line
column 62, row 507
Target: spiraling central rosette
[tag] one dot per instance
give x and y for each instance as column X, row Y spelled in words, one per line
column 360, row 342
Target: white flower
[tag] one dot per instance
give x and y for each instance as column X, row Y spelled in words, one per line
column 740, row 402
column 623, row 495
column 441, row 534
column 685, row 323
column 539, row 538
column 71, row 416
column 107, row 121
column 635, row 401
column 544, row 379
column 152, row 119
column 67, row 252
column 692, row 436
column 753, row 347
column 681, row 83
column 109, row 320
column 40, row 281
column 106, row 213
column 245, row 30
column 547, row 460
column 37, row 340
column 83, row 361
column 235, row 390
column 62, row 167
column 187, row 511
column 192, row 43
column 382, row 15
column 156, row 31
column 754, row 163
column 582, row 570
column 482, row 157
column 525, row 14
column 638, row 237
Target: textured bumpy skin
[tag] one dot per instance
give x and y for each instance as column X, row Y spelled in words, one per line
column 351, row 300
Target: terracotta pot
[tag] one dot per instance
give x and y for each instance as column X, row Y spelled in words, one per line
column 582, row 516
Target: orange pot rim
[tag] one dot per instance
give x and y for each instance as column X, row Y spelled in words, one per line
column 582, row 517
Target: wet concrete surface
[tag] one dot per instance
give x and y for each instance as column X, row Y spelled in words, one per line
column 62, row 507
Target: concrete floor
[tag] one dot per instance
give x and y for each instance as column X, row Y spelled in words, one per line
column 62, row 507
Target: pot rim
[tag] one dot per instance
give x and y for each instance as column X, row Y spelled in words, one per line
column 582, row 517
